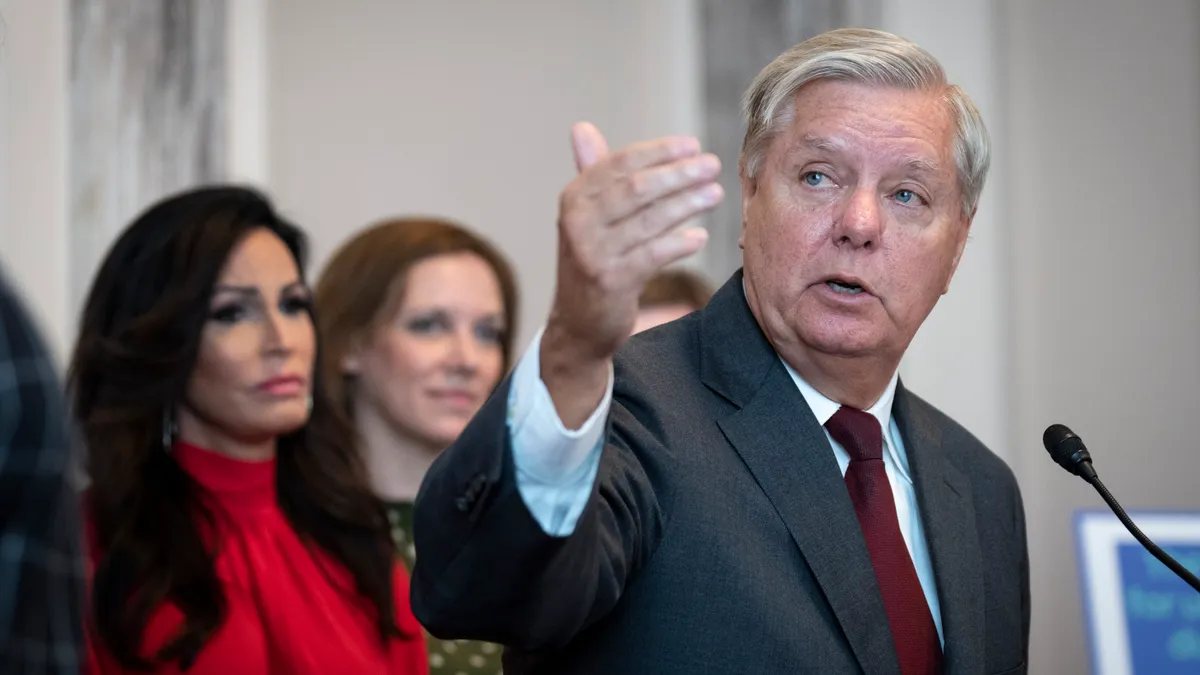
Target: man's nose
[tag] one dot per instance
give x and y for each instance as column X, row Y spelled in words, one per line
column 860, row 223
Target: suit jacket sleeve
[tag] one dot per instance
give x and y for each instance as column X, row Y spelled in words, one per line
column 555, row 468
column 41, row 573
column 487, row 570
column 1026, row 603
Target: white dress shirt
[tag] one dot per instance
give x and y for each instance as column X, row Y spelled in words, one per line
column 556, row 467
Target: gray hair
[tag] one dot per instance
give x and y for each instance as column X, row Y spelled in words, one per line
column 869, row 57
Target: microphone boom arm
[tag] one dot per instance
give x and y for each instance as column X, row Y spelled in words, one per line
column 1068, row 450
column 1167, row 560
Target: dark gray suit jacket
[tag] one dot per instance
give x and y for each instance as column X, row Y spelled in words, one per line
column 719, row 537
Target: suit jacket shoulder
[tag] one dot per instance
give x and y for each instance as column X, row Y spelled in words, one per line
column 963, row 449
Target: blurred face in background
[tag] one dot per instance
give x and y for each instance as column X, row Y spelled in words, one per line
column 429, row 368
column 650, row 317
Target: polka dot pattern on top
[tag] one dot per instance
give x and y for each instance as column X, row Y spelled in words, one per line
column 446, row 657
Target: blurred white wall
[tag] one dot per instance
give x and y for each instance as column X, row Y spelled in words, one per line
column 1103, row 104
column 33, row 160
column 464, row 110
column 248, row 90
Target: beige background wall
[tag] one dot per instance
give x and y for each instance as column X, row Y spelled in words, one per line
column 380, row 108
column 1103, row 101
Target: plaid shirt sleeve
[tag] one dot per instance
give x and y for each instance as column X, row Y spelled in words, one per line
column 41, row 565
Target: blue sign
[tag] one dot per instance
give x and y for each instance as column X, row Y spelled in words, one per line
column 1141, row 618
column 1162, row 612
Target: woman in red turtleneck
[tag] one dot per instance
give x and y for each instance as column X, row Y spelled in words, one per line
column 230, row 525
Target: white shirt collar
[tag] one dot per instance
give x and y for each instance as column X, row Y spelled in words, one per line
column 823, row 408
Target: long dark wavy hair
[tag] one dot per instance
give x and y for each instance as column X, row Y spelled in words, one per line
column 138, row 341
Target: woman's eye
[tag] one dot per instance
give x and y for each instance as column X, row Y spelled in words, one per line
column 426, row 324
column 297, row 305
column 490, row 334
column 228, row 314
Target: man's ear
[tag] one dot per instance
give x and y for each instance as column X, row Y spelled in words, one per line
column 749, row 190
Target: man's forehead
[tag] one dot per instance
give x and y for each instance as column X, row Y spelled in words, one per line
column 823, row 143
column 831, row 116
column 908, row 154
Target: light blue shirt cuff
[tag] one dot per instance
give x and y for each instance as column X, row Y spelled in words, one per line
column 556, row 467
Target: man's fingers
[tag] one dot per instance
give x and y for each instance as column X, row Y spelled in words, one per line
column 608, row 204
column 664, row 250
column 666, row 214
column 642, row 189
column 588, row 145
column 638, row 156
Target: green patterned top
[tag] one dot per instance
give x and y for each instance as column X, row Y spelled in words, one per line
column 452, row 657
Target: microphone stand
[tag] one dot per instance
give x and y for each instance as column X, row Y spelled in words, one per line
column 1167, row 560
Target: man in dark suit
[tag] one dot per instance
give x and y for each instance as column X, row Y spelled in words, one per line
column 41, row 559
column 749, row 489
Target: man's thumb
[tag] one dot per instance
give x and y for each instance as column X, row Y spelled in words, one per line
column 589, row 145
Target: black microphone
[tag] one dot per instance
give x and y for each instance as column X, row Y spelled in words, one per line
column 1069, row 451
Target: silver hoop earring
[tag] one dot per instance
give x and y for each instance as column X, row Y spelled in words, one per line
column 309, row 402
column 169, row 429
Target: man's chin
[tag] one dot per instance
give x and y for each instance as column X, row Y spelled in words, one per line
column 842, row 338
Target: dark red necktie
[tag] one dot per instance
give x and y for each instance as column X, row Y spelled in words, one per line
column 913, row 630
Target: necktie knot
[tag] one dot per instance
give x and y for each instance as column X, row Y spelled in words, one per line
column 858, row 432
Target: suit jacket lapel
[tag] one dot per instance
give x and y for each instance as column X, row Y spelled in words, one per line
column 948, row 515
column 785, row 449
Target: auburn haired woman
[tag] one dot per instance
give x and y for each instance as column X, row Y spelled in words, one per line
column 417, row 316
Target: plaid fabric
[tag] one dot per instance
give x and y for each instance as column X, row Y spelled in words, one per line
column 41, row 565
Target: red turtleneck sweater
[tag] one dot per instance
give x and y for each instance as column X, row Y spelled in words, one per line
column 290, row 609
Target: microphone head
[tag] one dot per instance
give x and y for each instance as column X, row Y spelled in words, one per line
column 1067, row 449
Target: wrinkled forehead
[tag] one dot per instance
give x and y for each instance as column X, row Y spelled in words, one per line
column 889, row 127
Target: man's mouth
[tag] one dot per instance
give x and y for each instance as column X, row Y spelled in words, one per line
column 846, row 287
